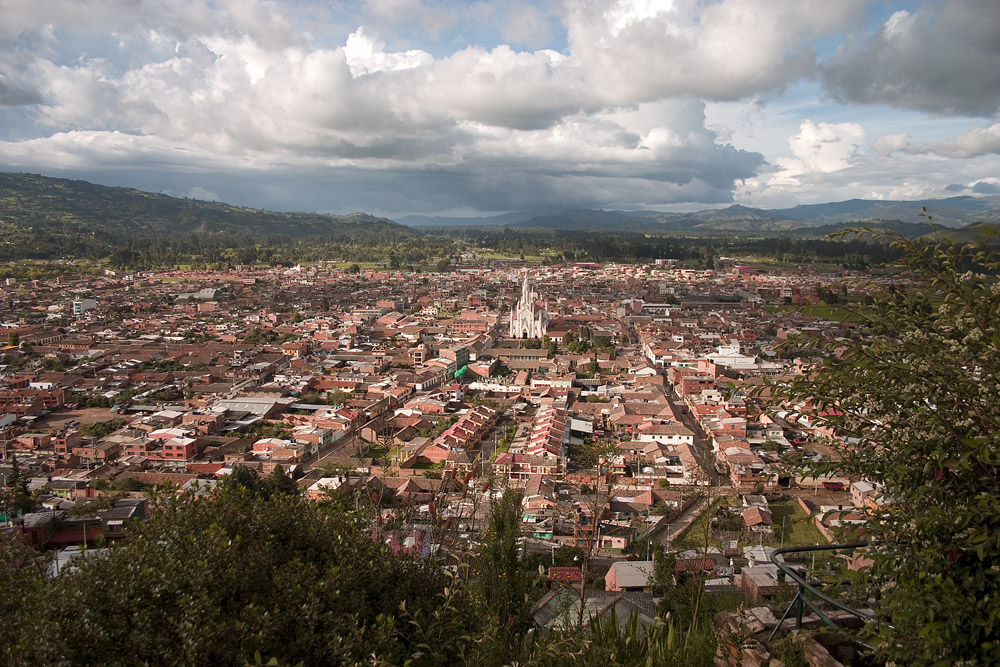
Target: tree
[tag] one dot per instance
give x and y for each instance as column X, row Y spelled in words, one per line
column 15, row 493
column 354, row 268
column 918, row 395
column 214, row 580
column 98, row 430
column 442, row 265
column 279, row 482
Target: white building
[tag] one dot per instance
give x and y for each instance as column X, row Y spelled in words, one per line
column 80, row 306
column 530, row 316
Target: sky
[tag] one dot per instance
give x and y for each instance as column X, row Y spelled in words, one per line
column 398, row 107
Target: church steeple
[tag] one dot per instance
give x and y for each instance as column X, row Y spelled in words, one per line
column 528, row 319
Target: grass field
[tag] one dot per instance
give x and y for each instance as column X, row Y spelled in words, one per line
column 792, row 523
column 823, row 311
column 792, row 527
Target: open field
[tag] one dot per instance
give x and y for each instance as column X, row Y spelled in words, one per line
column 792, row 527
column 59, row 419
column 792, row 523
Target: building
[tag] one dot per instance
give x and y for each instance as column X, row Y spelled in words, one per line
column 81, row 306
column 530, row 316
column 629, row 576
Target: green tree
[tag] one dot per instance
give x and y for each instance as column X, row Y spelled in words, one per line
column 280, row 482
column 98, row 430
column 918, row 395
column 215, row 580
column 502, row 587
column 15, row 493
column 354, row 268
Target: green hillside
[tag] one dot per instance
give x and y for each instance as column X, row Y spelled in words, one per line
column 54, row 218
column 33, row 201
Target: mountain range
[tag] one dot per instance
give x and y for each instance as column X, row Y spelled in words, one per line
column 804, row 220
column 30, row 201
column 33, row 204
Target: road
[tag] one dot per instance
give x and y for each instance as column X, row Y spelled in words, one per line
column 345, row 447
column 667, row 535
column 702, row 448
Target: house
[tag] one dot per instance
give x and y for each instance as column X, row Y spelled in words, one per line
column 565, row 575
column 757, row 519
column 761, row 580
column 560, row 608
column 862, row 493
column 629, row 576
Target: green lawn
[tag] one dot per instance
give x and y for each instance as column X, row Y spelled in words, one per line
column 694, row 535
column 823, row 311
column 798, row 528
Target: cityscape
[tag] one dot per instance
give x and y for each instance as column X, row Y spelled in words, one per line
column 418, row 332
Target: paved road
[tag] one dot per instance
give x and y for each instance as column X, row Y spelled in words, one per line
column 667, row 535
column 702, row 447
column 346, row 446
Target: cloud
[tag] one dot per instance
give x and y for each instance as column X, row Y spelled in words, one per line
column 254, row 101
column 941, row 58
column 825, row 147
column 525, row 25
column 653, row 155
column 365, row 54
column 987, row 187
column 15, row 93
column 978, row 142
column 203, row 194
column 984, row 186
column 820, row 153
column 828, row 162
column 722, row 51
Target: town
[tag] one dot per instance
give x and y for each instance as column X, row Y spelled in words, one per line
column 624, row 400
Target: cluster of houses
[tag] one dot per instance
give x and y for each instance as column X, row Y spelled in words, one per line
column 416, row 389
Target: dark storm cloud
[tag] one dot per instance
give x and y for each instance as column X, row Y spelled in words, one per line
column 985, row 188
column 943, row 58
column 16, row 94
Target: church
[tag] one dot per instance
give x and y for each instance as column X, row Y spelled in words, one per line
column 530, row 316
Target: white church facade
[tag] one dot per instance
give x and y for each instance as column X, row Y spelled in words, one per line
column 530, row 316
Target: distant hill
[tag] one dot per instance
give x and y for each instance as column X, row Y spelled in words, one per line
column 950, row 212
column 480, row 221
column 974, row 232
column 43, row 217
column 804, row 220
column 30, row 201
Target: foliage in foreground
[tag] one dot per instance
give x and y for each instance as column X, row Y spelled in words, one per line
column 257, row 572
column 919, row 398
column 211, row 581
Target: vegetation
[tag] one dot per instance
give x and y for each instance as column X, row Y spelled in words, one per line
column 57, row 219
column 14, row 495
column 214, row 580
column 99, row 430
column 920, row 400
column 255, row 572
